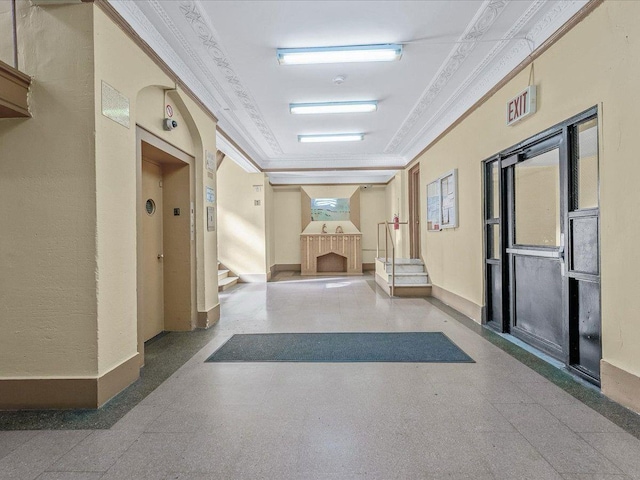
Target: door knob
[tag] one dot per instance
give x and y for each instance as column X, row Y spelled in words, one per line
column 160, row 256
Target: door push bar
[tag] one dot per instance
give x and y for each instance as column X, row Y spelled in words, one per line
column 538, row 253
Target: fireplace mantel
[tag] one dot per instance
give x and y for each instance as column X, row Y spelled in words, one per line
column 322, row 249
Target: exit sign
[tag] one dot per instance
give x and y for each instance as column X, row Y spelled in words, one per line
column 523, row 105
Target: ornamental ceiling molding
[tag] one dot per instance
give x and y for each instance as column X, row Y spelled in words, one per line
column 141, row 24
column 337, row 161
column 462, row 91
column 551, row 22
column 143, row 27
column 479, row 25
column 235, row 125
column 205, row 33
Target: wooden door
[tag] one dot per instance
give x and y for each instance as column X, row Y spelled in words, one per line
column 414, row 212
column 153, row 289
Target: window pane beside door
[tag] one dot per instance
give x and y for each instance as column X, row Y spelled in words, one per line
column 586, row 174
column 537, row 200
column 493, row 242
column 493, row 190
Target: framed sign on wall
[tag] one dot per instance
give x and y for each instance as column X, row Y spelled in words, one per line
column 442, row 202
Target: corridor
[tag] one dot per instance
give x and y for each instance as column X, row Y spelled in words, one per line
column 495, row 418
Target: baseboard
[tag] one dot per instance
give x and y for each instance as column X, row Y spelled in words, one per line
column 620, row 385
column 287, row 267
column 464, row 306
column 209, row 318
column 252, row 277
column 117, row 379
column 67, row 393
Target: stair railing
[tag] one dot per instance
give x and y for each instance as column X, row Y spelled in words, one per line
column 388, row 236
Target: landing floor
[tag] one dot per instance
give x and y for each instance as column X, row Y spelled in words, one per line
column 496, row 418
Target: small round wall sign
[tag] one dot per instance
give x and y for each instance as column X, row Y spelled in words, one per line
column 169, row 111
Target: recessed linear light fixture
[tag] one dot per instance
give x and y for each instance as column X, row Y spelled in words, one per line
column 352, row 53
column 333, row 107
column 333, row 137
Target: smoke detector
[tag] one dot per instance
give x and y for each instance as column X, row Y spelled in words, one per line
column 339, row 80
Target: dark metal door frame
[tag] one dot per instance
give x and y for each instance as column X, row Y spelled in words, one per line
column 563, row 135
column 542, row 254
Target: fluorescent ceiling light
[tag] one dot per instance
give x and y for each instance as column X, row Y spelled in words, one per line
column 336, row 137
column 334, row 107
column 353, row 53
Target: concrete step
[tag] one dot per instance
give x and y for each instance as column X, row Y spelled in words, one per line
column 227, row 283
column 402, row 261
column 410, row 279
column 412, row 291
column 222, row 274
column 405, row 268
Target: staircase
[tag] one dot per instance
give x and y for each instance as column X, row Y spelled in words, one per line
column 412, row 279
column 225, row 281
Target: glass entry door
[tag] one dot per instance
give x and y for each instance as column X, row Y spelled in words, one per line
column 542, row 243
column 535, row 246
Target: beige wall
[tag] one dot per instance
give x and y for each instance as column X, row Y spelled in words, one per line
column 242, row 236
column 397, row 203
column 6, row 32
column 47, row 190
column 373, row 208
column 604, row 53
column 287, row 224
column 287, row 218
column 124, row 66
column 269, row 223
column 69, row 266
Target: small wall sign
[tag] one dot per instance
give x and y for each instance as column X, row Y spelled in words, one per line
column 169, row 111
column 210, row 161
column 211, row 195
column 522, row 105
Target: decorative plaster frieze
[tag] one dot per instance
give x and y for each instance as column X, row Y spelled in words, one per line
column 141, row 24
column 137, row 19
column 227, row 116
column 465, row 99
column 209, row 39
column 479, row 25
column 463, row 89
column 337, row 161
column 159, row 10
column 553, row 19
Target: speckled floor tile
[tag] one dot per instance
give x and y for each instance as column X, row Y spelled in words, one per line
column 70, row 476
column 509, row 416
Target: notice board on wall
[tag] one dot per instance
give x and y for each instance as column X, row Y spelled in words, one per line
column 442, row 202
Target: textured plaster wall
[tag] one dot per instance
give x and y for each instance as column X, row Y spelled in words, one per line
column 6, row 33
column 68, row 184
column 242, row 225
column 47, row 192
column 124, row 66
column 287, row 226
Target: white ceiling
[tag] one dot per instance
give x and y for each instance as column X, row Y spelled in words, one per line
column 454, row 52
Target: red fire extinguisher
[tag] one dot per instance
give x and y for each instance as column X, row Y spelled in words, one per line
column 396, row 222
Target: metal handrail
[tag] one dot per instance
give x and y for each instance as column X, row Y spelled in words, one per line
column 388, row 237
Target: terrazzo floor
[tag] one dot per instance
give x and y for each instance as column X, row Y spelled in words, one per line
column 493, row 419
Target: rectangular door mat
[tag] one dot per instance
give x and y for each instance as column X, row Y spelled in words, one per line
column 341, row 348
